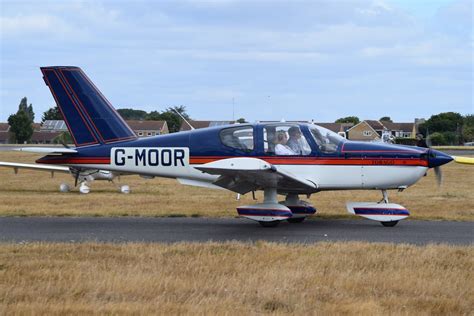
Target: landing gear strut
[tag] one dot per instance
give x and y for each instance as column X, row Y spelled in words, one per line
column 269, row 213
column 385, row 200
column 299, row 208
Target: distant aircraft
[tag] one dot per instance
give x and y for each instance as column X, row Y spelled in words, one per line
column 288, row 159
column 82, row 176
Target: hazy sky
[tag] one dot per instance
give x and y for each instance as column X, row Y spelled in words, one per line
column 276, row 59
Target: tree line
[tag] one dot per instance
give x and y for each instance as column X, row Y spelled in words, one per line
column 447, row 128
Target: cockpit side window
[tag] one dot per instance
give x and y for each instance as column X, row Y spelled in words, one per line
column 285, row 140
column 326, row 140
column 238, row 137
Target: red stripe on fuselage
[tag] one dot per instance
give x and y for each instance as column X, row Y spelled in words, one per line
column 273, row 160
column 326, row 161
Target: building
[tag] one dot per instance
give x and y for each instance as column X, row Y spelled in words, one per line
column 49, row 131
column 53, row 126
column 4, row 133
column 372, row 130
column 339, row 128
column 148, row 128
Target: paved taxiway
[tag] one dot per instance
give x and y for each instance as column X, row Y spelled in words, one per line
column 137, row 229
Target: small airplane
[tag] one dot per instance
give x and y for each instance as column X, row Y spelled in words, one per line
column 82, row 176
column 288, row 159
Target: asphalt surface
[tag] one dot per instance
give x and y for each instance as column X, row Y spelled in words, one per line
column 167, row 230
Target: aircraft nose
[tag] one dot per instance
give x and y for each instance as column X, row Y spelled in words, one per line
column 438, row 158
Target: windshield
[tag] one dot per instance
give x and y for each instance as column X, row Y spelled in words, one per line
column 326, row 140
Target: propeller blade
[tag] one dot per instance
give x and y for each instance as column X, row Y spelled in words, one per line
column 428, row 139
column 439, row 175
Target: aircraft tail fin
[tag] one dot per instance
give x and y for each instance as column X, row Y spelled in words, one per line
column 90, row 118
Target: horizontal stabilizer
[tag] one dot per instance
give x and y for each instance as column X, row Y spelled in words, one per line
column 47, row 150
column 464, row 160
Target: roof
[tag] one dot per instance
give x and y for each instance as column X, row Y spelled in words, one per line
column 54, row 125
column 376, row 125
column 336, row 127
column 405, row 127
column 146, row 125
column 4, row 127
column 44, row 136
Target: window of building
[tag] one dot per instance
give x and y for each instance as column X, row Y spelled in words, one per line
column 367, row 133
column 238, row 137
column 285, row 139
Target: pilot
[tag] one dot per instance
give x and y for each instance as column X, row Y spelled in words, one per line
column 280, row 144
column 296, row 142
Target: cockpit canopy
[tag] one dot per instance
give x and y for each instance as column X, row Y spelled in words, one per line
column 282, row 139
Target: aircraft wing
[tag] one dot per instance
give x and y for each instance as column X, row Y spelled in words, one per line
column 39, row 167
column 47, row 150
column 243, row 175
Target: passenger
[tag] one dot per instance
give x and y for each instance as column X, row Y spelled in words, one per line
column 280, row 144
column 296, row 142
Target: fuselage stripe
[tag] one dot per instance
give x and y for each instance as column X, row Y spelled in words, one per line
column 272, row 160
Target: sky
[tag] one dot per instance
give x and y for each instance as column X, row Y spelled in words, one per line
column 262, row 60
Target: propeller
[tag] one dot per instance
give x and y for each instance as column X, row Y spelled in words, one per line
column 439, row 175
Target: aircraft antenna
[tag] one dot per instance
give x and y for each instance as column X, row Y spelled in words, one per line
column 192, row 127
column 233, row 109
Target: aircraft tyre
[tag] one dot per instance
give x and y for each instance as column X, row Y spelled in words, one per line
column 269, row 224
column 296, row 220
column 389, row 224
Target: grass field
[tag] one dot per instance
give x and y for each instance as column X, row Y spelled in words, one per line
column 36, row 193
column 234, row 278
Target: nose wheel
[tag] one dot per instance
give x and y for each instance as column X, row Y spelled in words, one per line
column 389, row 224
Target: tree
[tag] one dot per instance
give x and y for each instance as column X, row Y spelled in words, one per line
column 52, row 114
column 21, row 122
column 386, row 119
column 444, row 122
column 438, row 139
column 131, row 114
column 241, row 120
column 348, row 119
column 170, row 116
column 468, row 128
column 449, row 124
column 28, row 109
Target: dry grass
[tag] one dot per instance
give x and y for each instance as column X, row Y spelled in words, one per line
column 35, row 193
column 233, row 278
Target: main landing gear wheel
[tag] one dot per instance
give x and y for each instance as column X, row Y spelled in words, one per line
column 389, row 224
column 269, row 224
column 296, row 220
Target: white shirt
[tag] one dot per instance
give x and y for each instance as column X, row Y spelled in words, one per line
column 283, row 150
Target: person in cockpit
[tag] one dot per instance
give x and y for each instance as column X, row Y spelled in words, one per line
column 296, row 142
column 280, row 144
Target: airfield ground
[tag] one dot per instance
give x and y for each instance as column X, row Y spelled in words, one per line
column 228, row 277
column 36, row 193
column 236, row 278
